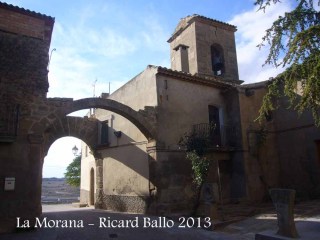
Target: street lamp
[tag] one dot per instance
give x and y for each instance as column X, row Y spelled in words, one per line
column 75, row 150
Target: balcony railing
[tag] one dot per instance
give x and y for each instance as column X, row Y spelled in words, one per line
column 223, row 136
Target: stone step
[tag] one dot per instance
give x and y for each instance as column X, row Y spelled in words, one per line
column 79, row 205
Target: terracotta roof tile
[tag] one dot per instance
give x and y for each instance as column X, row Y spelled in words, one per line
column 26, row 11
column 205, row 80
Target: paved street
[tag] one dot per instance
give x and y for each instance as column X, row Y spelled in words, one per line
column 307, row 221
column 89, row 216
column 307, row 218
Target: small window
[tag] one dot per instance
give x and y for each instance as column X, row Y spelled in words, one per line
column 217, row 60
column 104, row 133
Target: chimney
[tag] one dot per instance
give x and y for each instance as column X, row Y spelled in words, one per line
column 104, row 95
column 182, row 58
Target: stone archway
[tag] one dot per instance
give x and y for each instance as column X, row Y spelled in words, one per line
column 53, row 122
column 82, row 128
column 141, row 121
column 51, row 115
column 44, row 121
column 86, row 129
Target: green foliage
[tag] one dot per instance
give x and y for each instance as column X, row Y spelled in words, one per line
column 73, row 172
column 200, row 167
column 294, row 43
column 196, row 145
column 197, row 141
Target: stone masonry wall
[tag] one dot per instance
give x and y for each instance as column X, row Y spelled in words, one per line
column 39, row 122
column 23, row 69
column 198, row 36
column 279, row 152
column 208, row 35
column 24, row 45
column 24, row 24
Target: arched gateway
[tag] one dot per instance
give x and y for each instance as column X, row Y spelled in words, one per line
column 47, row 122
column 56, row 124
column 30, row 122
column 87, row 129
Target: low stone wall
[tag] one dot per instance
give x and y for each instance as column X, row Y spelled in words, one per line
column 135, row 204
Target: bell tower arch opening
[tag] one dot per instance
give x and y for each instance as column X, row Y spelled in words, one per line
column 217, row 60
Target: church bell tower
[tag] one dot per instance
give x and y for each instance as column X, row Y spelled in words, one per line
column 205, row 47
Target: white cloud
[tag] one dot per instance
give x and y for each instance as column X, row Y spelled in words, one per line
column 251, row 28
column 154, row 35
column 114, row 44
column 88, row 49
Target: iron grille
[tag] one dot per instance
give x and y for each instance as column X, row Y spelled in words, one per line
column 225, row 136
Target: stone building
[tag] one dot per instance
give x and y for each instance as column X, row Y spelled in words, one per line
column 24, row 44
column 131, row 159
column 29, row 121
column 202, row 86
column 195, row 92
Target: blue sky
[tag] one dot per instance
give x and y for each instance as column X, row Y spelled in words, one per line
column 114, row 40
